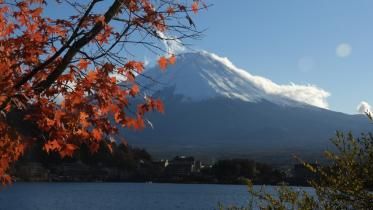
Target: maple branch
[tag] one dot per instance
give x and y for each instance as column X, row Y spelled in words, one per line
column 76, row 58
column 74, row 49
column 59, row 52
column 50, row 60
column 105, row 52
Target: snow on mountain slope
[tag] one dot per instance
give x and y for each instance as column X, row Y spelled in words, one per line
column 214, row 109
column 202, row 75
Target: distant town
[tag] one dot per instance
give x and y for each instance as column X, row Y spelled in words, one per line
column 126, row 164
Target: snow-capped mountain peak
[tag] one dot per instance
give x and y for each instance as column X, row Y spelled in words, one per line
column 214, row 109
column 202, row 75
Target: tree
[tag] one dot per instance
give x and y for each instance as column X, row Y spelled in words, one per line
column 345, row 183
column 59, row 76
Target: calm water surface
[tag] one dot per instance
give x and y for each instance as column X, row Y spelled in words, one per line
column 120, row 196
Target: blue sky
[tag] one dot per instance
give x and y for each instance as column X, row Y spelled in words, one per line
column 295, row 41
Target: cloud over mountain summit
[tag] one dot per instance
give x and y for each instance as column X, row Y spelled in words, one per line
column 201, row 75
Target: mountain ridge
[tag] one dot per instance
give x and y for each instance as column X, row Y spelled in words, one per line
column 215, row 124
column 203, row 75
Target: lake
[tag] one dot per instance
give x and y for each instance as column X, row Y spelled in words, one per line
column 139, row 196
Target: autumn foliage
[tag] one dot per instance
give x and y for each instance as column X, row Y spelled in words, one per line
column 60, row 75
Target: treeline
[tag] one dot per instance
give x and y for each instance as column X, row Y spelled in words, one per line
column 238, row 170
column 115, row 155
column 111, row 162
column 120, row 162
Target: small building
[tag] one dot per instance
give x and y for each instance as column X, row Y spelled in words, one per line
column 197, row 166
column 182, row 166
column 161, row 163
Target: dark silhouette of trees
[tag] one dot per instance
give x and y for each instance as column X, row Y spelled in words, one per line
column 61, row 76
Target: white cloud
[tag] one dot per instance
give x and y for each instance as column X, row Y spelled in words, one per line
column 172, row 44
column 364, row 107
column 309, row 94
column 343, row 50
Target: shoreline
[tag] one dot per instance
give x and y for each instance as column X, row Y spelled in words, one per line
column 152, row 182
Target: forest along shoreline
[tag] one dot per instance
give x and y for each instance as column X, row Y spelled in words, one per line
column 122, row 163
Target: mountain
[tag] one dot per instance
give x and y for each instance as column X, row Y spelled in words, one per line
column 215, row 110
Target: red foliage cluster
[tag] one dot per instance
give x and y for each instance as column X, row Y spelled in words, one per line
column 73, row 96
